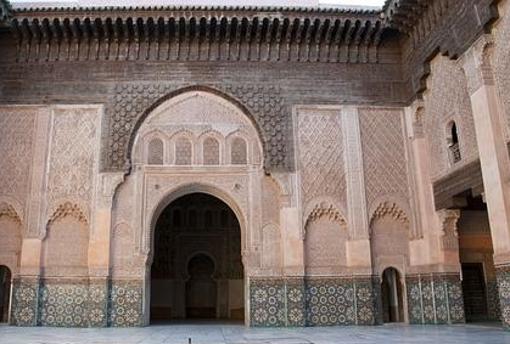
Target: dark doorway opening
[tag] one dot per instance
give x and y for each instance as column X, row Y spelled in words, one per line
column 479, row 282
column 5, row 293
column 201, row 291
column 197, row 271
column 474, row 289
column 392, row 298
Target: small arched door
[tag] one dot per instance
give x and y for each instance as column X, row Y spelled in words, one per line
column 392, row 298
column 5, row 293
column 201, row 288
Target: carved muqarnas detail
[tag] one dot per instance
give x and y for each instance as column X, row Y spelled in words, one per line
column 326, row 210
column 392, row 210
column 8, row 211
column 68, row 209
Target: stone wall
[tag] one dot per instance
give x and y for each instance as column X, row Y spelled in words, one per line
column 446, row 101
column 267, row 93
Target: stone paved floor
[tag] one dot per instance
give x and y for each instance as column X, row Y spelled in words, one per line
column 238, row 334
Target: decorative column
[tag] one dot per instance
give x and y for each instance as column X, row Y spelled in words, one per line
column 494, row 159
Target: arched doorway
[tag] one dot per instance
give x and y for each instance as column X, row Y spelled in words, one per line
column 392, row 298
column 196, row 269
column 5, row 293
column 201, row 289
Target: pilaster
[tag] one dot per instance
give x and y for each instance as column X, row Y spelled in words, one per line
column 358, row 247
column 494, row 158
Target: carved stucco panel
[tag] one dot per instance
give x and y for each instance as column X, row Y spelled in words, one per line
column 17, row 127
column 321, row 156
column 384, row 155
column 73, row 156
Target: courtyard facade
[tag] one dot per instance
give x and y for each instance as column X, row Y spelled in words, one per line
column 278, row 166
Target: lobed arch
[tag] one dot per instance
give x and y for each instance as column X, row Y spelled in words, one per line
column 173, row 96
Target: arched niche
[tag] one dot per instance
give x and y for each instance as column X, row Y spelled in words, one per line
column 65, row 246
column 389, row 237
column 324, row 256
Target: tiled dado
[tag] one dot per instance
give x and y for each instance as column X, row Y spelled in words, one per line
column 435, row 299
column 76, row 302
column 125, row 303
column 72, row 303
column 503, row 274
column 493, row 300
column 276, row 302
column 25, row 298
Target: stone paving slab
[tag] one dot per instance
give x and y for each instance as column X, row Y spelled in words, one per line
column 238, row 334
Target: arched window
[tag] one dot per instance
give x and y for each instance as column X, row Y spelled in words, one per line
column 211, row 150
column 183, row 151
column 238, row 152
column 453, row 143
column 155, row 152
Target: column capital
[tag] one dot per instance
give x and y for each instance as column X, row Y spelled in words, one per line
column 477, row 65
column 448, row 219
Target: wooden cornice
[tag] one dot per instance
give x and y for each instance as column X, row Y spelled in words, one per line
column 198, row 34
column 405, row 15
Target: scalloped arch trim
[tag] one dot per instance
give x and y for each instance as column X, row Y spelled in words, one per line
column 8, row 211
column 392, row 210
column 329, row 211
column 68, row 209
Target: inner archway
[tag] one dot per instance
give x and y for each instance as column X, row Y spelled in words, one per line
column 201, row 289
column 197, row 270
column 5, row 293
column 392, row 298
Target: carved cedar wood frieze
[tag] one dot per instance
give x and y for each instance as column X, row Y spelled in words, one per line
column 132, row 103
column 197, row 33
